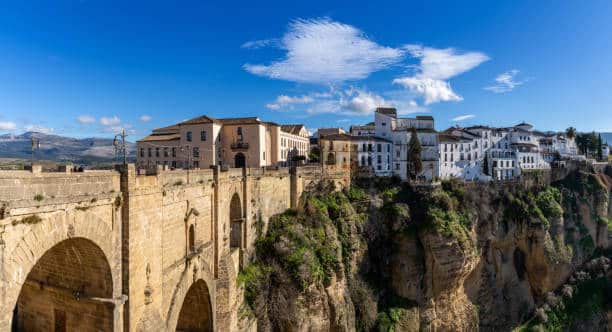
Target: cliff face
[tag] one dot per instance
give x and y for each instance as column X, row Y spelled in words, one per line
column 390, row 257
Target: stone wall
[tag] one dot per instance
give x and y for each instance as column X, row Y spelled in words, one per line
column 156, row 242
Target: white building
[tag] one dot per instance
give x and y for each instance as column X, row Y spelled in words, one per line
column 373, row 153
column 398, row 130
column 365, row 130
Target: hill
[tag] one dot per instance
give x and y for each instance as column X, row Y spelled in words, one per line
column 60, row 148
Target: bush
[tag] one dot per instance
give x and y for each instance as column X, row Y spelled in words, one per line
column 39, row 197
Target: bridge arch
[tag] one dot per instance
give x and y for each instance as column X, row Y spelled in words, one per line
column 84, row 234
column 196, row 313
column 69, row 288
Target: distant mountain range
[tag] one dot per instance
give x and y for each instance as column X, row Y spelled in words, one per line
column 59, row 148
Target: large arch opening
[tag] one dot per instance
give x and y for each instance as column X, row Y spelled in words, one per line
column 239, row 160
column 235, row 222
column 196, row 312
column 69, row 289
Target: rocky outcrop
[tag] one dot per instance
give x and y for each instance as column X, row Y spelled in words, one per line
column 460, row 257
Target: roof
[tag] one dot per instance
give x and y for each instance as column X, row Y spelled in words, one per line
column 199, row 120
column 156, row 138
column 424, row 117
column 448, row 138
column 387, row 111
column 168, row 129
column 293, row 129
column 477, row 127
column 347, row 137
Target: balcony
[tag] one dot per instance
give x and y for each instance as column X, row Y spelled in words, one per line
column 239, row 146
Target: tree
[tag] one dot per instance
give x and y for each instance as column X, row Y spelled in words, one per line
column 485, row 165
column 599, row 149
column 315, row 154
column 570, row 132
column 415, row 165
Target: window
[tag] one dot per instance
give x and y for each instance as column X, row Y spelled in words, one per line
column 379, row 159
column 141, row 152
column 156, row 152
column 379, row 148
column 174, row 164
column 363, row 161
column 150, row 155
column 196, row 152
column 388, row 148
column 203, row 135
column 166, row 152
column 196, row 164
column 174, row 152
column 370, row 147
column 264, row 155
column 188, row 136
column 369, row 161
column 364, row 147
column 384, row 124
column 239, row 133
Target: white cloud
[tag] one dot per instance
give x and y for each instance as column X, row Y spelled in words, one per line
column 8, row 125
column 505, row 82
column 324, row 51
column 38, row 129
column 363, row 102
column 431, row 90
column 145, row 118
column 255, row 44
column 463, row 117
column 436, row 67
column 119, row 129
column 110, row 121
column 86, row 119
column 284, row 101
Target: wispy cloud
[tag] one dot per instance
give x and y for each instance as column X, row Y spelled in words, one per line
column 86, row 119
column 325, row 51
column 436, row 67
column 106, row 121
column 7, row 125
column 463, row 117
column 505, row 82
column 255, row 44
column 145, row 118
column 284, row 101
column 38, row 129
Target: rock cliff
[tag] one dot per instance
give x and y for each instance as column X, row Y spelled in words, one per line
column 387, row 256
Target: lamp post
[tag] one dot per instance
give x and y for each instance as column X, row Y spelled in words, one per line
column 119, row 144
column 35, row 146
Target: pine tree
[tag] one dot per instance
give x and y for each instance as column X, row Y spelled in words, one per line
column 415, row 165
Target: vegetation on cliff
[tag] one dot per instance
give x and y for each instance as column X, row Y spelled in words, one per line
column 386, row 256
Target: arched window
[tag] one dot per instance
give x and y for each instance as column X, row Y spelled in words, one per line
column 331, row 158
column 191, row 239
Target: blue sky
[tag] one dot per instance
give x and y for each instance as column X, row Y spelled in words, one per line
column 88, row 68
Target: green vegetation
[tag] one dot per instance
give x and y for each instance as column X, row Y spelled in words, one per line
column 39, row 197
column 178, row 183
column 607, row 222
column 251, row 277
column 29, row 220
column 356, row 194
column 301, row 244
column 589, row 299
column 415, row 165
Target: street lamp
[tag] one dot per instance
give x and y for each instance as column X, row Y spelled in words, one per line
column 119, row 145
column 35, row 146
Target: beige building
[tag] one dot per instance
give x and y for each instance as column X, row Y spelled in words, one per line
column 337, row 152
column 234, row 142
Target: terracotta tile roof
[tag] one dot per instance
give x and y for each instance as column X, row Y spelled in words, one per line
column 293, row 129
column 199, row 120
column 387, row 111
column 168, row 129
column 156, row 138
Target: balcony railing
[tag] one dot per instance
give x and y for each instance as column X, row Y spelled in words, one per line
column 239, row 146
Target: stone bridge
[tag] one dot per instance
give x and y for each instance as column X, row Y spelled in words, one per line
column 119, row 251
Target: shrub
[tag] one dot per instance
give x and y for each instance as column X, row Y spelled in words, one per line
column 39, row 197
column 29, row 220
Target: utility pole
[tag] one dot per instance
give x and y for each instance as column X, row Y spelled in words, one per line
column 120, row 145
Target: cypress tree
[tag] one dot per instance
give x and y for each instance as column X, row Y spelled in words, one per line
column 415, row 165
